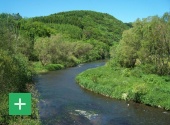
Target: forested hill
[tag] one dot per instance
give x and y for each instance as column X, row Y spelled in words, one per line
column 85, row 25
column 66, row 38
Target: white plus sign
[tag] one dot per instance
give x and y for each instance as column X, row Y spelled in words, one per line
column 19, row 103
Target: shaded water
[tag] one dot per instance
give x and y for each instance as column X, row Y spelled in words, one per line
column 63, row 102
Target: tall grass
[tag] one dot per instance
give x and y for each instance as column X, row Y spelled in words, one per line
column 39, row 68
column 128, row 84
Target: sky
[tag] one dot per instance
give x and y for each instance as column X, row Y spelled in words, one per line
column 124, row 10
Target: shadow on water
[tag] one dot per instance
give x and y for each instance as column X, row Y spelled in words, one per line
column 63, row 102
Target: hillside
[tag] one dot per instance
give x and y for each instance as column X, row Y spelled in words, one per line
column 78, row 36
column 86, row 25
column 67, row 38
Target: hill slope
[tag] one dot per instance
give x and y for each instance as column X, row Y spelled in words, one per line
column 86, row 25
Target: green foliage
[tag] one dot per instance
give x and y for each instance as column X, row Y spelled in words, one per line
column 51, row 67
column 125, row 84
column 70, row 31
column 86, row 36
column 99, row 50
column 15, row 74
column 86, row 25
column 36, row 29
column 7, row 40
column 137, row 62
column 147, row 45
column 15, row 70
column 57, row 50
column 39, row 68
column 5, row 118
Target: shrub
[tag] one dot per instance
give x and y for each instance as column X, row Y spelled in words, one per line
column 51, row 67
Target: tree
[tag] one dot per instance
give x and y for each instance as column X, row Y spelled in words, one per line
column 149, row 43
column 126, row 51
column 42, row 50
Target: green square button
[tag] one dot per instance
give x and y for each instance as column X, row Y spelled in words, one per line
column 19, row 103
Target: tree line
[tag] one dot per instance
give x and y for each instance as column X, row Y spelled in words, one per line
column 147, row 45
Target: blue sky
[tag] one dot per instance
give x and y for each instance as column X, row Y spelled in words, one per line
column 124, row 10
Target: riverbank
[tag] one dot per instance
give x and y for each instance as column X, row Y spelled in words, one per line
column 33, row 119
column 39, row 68
column 16, row 76
column 126, row 84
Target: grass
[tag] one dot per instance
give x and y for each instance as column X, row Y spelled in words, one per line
column 39, row 68
column 5, row 118
column 128, row 84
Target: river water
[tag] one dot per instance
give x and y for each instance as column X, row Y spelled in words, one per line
column 63, row 102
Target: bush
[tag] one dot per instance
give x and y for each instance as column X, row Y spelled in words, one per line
column 15, row 72
column 52, row 67
column 39, row 68
column 137, row 72
column 15, row 75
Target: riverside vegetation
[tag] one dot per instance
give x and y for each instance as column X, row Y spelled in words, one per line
column 40, row 44
column 139, row 68
column 15, row 74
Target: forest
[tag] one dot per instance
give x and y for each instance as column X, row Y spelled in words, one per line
column 32, row 45
column 138, row 53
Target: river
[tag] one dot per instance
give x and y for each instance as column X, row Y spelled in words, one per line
column 63, row 102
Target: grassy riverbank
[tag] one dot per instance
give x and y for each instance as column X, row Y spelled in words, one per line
column 39, row 68
column 33, row 119
column 128, row 84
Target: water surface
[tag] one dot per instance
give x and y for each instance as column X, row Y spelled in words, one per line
column 63, row 102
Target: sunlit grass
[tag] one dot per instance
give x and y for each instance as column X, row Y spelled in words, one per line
column 5, row 118
column 127, row 84
column 39, row 68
